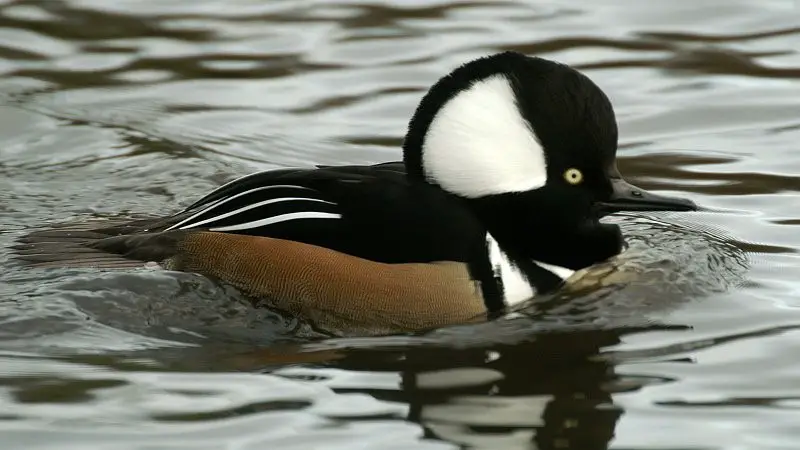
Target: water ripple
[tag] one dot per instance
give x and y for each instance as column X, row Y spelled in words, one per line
column 140, row 106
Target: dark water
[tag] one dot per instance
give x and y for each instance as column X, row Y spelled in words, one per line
column 143, row 105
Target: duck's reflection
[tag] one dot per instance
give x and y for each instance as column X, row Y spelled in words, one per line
column 552, row 391
column 546, row 392
column 494, row 385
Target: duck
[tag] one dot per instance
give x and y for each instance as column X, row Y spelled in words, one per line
column 508, row 167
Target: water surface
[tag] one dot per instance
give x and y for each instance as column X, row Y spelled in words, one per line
column 142, row 106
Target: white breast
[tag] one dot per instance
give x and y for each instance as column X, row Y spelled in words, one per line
column 516, row 287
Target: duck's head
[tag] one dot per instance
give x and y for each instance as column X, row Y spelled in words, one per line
column 530, row 145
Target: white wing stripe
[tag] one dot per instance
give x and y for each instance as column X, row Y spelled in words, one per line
column 217, row 203
column 278, row 219
column 254, row 205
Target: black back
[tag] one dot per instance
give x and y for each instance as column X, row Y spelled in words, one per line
column 384, row 216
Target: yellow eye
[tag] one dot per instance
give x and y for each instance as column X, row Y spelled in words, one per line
column 573, row 176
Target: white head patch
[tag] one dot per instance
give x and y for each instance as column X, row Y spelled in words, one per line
column 479, row 144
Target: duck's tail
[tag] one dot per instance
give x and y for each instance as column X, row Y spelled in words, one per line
column 110, row 244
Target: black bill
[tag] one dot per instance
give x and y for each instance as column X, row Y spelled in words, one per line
column 627, row 197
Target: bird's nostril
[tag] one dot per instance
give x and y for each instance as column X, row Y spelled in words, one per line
column 636, row 193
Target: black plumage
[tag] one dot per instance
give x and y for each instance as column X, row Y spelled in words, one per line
column 397, row 213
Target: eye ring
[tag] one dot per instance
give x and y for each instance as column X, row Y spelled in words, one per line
column 573, row 176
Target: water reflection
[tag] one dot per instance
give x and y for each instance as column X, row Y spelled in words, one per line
column 555, row 390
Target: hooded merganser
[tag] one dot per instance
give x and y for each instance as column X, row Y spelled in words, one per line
column 508, row 165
